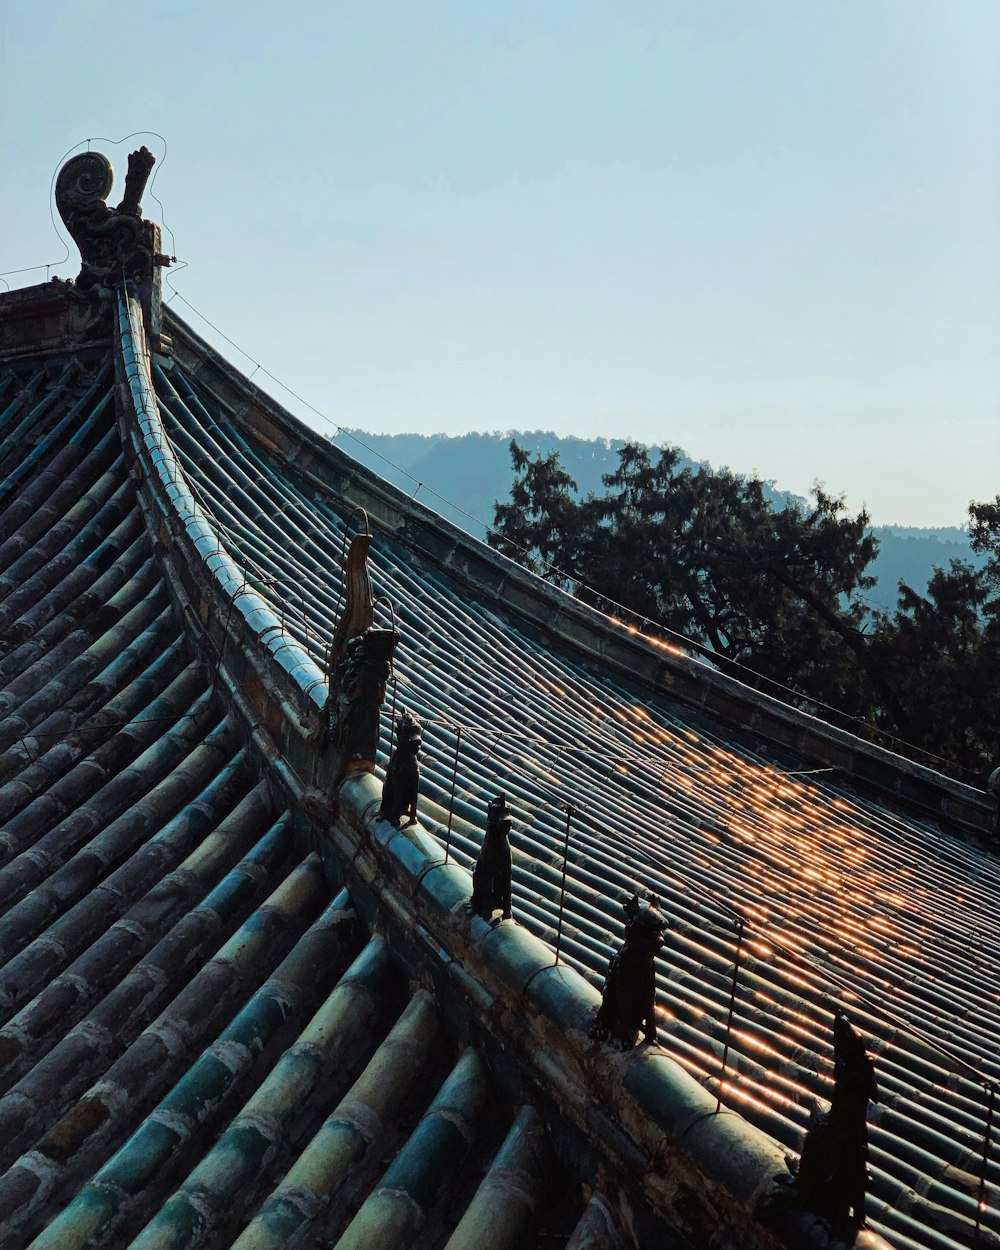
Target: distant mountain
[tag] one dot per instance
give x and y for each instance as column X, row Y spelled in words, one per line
column 910, row 554
column 461, row 476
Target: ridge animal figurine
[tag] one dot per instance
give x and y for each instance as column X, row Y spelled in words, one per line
column 402, row 776
column 832, row 1175
column 629, row 1002
column 355, row 701
column 491, row 875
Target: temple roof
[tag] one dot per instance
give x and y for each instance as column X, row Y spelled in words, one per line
column 195, row 1034
column 238, row 1009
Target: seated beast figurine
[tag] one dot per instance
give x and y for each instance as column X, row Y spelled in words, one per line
column 402, row 775
column 832, row 1176
column 629, row 1003
column 491, row 875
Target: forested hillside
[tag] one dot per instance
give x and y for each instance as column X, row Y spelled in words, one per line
column 473, row 471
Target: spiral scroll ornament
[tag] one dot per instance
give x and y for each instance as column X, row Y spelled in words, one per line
column 83, row 185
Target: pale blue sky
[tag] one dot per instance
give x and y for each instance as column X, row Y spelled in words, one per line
column 768, row 232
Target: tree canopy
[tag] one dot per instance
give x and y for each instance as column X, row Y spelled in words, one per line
column 777, row 590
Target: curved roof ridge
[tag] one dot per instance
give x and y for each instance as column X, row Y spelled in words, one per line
column 175, row 492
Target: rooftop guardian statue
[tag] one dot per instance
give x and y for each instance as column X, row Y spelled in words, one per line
column 832, row 1176
column 402, row 776
column 629, row 1004
column 491, row 875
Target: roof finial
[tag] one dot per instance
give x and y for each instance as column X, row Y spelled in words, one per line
column 113, row 243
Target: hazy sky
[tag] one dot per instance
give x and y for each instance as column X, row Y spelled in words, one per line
column 768, row 232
